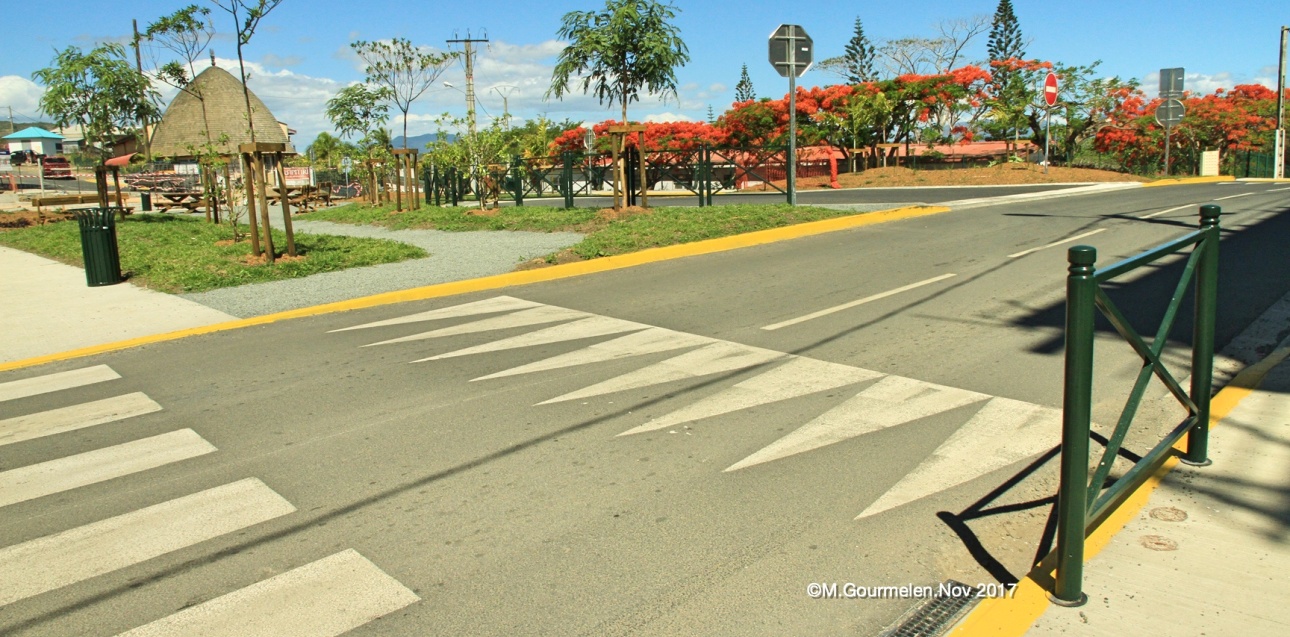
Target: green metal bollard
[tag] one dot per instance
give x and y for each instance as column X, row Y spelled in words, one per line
column 99, row 247
column 1077, row 401
column 566, row 179
column 1202, row 353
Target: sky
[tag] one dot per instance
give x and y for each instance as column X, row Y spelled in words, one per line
column 300, row 56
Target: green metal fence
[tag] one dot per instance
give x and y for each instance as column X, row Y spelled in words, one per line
column 1246, row 164
column 1082, row 503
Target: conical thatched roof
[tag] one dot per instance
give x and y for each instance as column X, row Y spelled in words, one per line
column 181, row 126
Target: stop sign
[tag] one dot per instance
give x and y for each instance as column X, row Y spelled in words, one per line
column 1050, row 89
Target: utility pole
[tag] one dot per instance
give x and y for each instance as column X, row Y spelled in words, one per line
column 506, row 111
column 1279, row 161
column 468, row 43
column 138, row 65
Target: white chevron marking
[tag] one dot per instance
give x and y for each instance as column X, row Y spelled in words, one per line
column 890, row 402
column 650, row 341
column 797, row 377
column 532, row 316
column 583, row 328
column 487, row 306
column 721, row 356
column 1003, row 432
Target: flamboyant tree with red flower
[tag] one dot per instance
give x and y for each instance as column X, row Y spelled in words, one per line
column 1243, row 118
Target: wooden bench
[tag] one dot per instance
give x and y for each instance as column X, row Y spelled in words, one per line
column 63, row 200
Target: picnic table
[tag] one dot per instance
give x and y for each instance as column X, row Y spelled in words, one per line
column 189, row 201
column 301, row 198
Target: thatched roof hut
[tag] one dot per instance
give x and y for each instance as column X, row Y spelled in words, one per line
column 181, row 127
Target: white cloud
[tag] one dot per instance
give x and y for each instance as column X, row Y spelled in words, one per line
column 22, row 95
column 667, row 117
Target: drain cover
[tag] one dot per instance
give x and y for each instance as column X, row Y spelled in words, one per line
column 934, row 615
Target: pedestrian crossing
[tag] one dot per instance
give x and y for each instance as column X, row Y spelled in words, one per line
column 324, row 598
column 994, row 432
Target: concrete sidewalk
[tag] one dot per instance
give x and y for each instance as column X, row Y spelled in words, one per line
column 48, row 309
column 1208, row 553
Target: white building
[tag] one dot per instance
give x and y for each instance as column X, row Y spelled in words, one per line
column 36, row 140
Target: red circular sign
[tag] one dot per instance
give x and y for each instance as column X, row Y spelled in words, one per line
column 1050, row 89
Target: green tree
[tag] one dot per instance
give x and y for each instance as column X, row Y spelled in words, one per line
column 186, row 33
column 1087, row 102
column 628, row 47
column 1004, row 43
column 744, row 89
column 858, row 56
column 246, row 19
column 403, row 70
column 358, row 109
column 327, row 149
column 100, row 91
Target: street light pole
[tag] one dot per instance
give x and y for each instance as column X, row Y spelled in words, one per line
column 1279, row 161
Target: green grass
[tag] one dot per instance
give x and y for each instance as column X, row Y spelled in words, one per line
column 663, row 226
column 176, row 254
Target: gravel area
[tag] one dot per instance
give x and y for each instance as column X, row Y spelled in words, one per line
column 454, row 256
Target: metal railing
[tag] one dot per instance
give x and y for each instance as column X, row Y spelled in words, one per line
column 1082, row 503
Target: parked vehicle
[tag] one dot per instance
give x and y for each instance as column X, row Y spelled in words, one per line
column 56, row 168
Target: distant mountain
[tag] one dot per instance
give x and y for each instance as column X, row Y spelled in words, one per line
column 419, row 141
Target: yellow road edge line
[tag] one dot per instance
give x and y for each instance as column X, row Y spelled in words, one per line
column 1188, row 180
column 1012, row 617
column 603, row 264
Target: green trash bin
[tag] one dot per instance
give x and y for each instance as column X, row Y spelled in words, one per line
column 145, row 201
column 98, row 246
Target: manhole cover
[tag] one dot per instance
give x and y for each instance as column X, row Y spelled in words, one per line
column 1169, row 514
column 1158, row 543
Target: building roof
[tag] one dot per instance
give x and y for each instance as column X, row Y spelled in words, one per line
column 32, row 133
column 181, row 128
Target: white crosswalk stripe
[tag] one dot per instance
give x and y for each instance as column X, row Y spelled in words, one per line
column 54, row 561
column 322, row 599
column 64, row 474
column 80, row 416
column 998, row 433
column 56, row 382
column 326, row 598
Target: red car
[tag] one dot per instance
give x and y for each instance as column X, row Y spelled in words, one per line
column 56, row 168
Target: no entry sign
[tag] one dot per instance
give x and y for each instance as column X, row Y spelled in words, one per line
column 1050, row 89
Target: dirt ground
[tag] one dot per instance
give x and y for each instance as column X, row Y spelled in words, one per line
column 1000, row 175
column 24, row 218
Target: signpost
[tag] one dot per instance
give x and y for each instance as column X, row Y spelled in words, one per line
column 1171, row 111
column 791, row 55
column 1050, row 98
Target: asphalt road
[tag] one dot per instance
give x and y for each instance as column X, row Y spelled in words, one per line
column 626, row 453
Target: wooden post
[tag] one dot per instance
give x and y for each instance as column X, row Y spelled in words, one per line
column 414, row 181
column 253, row 156
column 614, row 148
column 248, row 182
column 620, row 132
column 100, row 181
column 116, row 180
column 262, row 176
column 286, row 206
column 208, row 188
